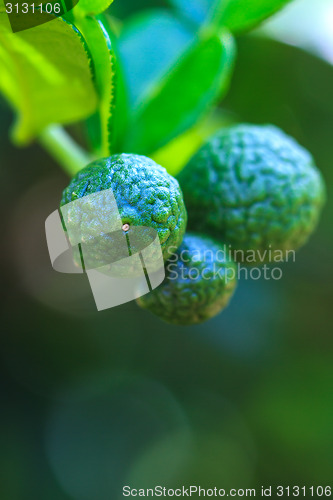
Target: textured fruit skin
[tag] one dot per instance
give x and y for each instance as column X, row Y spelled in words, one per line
column 145, row 193
column 185, row 299
column 254, row 188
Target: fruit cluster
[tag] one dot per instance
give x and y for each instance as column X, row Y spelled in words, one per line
column 248, row 189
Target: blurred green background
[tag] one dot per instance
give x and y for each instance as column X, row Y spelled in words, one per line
column 93, row 401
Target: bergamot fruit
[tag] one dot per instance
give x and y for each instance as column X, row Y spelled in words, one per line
column 200, row 280
column 254, row 188
column 145, row 194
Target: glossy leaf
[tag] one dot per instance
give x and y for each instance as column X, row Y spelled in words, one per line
column 236, row 15
column 45, row 74
column 242, row 15
column 149, row 45
column 4, row 20
column 185, row 93
column 195, row 11
column 108, row 125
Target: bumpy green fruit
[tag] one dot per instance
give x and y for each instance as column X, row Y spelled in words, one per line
column 146, row 195
column 200, row 280
column 254, row 188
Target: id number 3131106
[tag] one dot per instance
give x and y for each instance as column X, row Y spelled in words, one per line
column 32, row 8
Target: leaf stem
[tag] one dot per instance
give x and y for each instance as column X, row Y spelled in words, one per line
column 60, row 145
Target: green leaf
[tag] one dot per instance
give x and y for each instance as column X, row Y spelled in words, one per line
column 45, row 74
column 185, row 93
column 236, row 15
column 4, row 20
column 243, row 15
column 91, row 7
column 110, row 121
column 149, row 46
column 195, row 11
